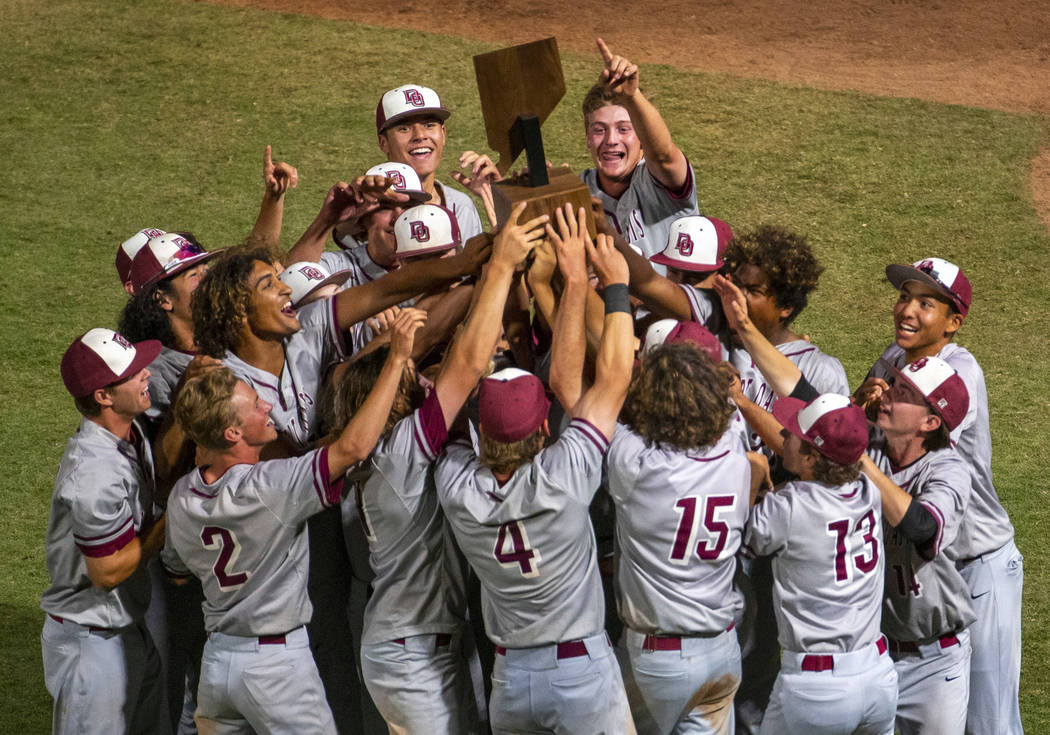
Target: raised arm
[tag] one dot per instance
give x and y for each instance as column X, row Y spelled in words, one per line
column 601, row 404
column 278, row 178
column 362, row 432
column 361, row 302
column 659, row 294
column 663, row 158
column 569, row 345
column 473, row 345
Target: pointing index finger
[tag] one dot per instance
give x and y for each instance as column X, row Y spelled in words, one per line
column 605, row 52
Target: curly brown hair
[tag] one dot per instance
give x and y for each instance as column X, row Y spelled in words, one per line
column 784, row 257
column 204, row 408
column 359, row 379
column 505, row 457
column 220, row 303
column 678, row 398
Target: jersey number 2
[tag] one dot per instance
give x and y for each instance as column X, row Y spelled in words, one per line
column 216, row 537
column 687, row 528
column 864, row 564
column 512, row 547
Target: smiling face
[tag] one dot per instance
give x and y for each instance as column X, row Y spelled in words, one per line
column 128, row 398
column 923, row 320
column 382, row 244
column 174, row 295
column 253, row 416
column 270, row 312
column 418, row 141
column 614, row 146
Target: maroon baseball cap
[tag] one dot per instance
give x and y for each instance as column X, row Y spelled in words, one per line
column 937, row 273
column 939, row 383
column 695, row 243
column 512, row 404
column 408, row 101
column 833, row 424
column 699, row 335
column 103, row 357
column 130, row 247
column 163, row 257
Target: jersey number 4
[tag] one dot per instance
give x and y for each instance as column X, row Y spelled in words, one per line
column 845, row 545
column 223, row 539
column 715, row 507
column 512, row 548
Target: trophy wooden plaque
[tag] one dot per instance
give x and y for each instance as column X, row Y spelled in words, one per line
column 519, row 86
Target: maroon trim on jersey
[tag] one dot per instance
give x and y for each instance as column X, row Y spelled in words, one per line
column 709, row 459
column 328, row 491
column 493, row 495
column 340, row 337
column 683, row 191
column 793, row 354
column 615, row 219
column 592, row 432
column 198, row 493
column 110, row 547
column 846, row 496
column 276, row 389
column 429, row 427
column 931, row 548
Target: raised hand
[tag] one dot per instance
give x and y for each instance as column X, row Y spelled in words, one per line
column 514, row 241
column 403, row 332
column 570, row 239
column 278, row 177
column 619, row 76
column 607, row 261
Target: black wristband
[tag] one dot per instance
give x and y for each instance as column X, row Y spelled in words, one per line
column 616, row 299
column 803, row 390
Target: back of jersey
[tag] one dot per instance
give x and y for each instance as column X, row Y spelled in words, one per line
column 828, row 563
column 679, row 521
column 530, row 540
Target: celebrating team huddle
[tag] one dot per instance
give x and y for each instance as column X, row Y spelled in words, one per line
column 395, row 484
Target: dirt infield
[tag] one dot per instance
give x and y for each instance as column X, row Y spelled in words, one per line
column 969, row 52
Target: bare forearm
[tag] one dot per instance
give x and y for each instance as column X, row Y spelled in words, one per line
column 362, row 432
column 473, row 346
column 569, row 343
column 268, row 224
column 311, row 244
column 781, row 374
column 895, row 500
column 762, row 423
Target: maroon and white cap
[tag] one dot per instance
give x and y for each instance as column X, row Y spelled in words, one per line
column 130, row 247
column 306, row 277
column 940, row 385
column 833, row 424
column 940, row 274
column 669, row 331
column 102, row 357
column 408, row 101
column 512, row 404
column 405, row 178
column 425, row 228
column 165, row 256
column 695, row 243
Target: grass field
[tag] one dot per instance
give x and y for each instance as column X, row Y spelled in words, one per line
column 119, row 115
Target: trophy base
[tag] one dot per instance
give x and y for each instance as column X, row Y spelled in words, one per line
column 564, row 187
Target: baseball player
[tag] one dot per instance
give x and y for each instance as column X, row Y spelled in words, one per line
column 100, row 663
column 681, row 484
column 824, row 531
column 415, row 613
column 239, row 525
column 925, row 491
column 642, row 179
column 126, row 252
column 933, row 300
column 520, row 514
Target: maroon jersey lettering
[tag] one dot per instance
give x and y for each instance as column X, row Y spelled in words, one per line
column 215, row 537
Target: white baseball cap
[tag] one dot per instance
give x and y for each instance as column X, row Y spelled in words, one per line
column 695, row 243
column 407, row 101
column 405, row 178
column 425, row 228
column 165, row 256
column 130, row 247
column 939, row 274
column 939, row 383
column 306, row 277
column 103, row 357
column 832, row 423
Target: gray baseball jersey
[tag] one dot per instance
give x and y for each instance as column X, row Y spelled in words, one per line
column 530, row 540
column 307, row 354
column 828, row 563
column 165, row 373
column 926, row 597
column 643, row 214
column 987, row 526
column 706, row 309
column 824, row 372
column 420, row 586
column 244, row 536
column 679, row 521
column 103, row 496
column 356, row 260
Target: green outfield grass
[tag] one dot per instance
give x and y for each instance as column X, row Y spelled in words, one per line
column 116, row 116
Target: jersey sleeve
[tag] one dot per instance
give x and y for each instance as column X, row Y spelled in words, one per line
column 103, row 519
column 622, row 462
column 413, row 444
column 295, row 489
column 576, row 459
column 827, row 375
column 945, row 495
column 172, row 563
column 685, row 195
column 338, row 260
column 769, row 524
